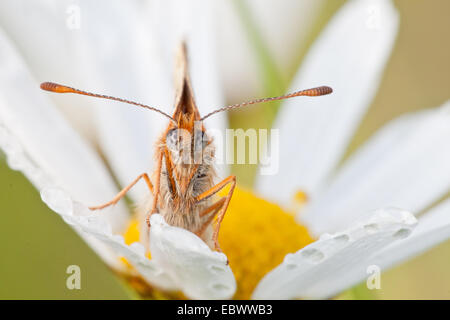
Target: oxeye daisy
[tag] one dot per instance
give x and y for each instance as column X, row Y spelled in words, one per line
column 309, row 231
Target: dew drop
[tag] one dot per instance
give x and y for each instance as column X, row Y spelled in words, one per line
column 313, row 255
column 220, row 287
column 402, row 233
column 291, row 266
column 371, row 228
column 216, row 269
column 341, row 239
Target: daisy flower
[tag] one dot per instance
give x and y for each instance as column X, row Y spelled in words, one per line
column 309, row 231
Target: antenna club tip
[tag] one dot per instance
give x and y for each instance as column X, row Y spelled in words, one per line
column 324, row 90
column 54, row 87
column 313, row 92
column 48, row 86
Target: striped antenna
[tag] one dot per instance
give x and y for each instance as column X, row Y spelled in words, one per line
column 58, row 88
column 313, row 92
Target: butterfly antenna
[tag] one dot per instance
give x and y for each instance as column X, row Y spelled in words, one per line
column 313, row 92
column 58, row 88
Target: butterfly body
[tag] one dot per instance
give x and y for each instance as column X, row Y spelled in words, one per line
column 181, row 182
column 182, row 187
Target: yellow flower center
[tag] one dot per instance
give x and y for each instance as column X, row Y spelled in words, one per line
column 255, row 235
column 132, row 234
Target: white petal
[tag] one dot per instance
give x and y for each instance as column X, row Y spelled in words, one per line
column 95, row 227
column 199, row 272
column 334, row 262
column 112, row 52
column 53, row 53
column 18, row 159
column 283, row 27
column 406, row 164
column 349, row 56
column 432, row 229
column 44, row 145
column 124, row 62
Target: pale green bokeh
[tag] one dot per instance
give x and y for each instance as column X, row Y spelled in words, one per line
column 36, row 246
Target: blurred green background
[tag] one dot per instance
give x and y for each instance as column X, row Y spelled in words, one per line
column 36, row 246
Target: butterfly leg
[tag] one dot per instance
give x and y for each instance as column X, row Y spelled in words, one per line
column 124, row 191
column 212, row 211
column 231, row 180
column 157, row 188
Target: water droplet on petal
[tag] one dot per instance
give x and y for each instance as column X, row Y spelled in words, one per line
column 220, row 287
column 313, row 255
column 291, row 266
column 402, row 233
column 371, row 228
column 342, row 239
column 216, row 269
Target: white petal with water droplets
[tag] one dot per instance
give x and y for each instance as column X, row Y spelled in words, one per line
column 41, row 142
column 406, row 164
column 18, row 159
column 94, row 225
column 349, row 56
column 335, row 262
column 198, row 271
column 432, row 229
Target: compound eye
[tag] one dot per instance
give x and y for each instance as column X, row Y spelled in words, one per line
column 173, row 139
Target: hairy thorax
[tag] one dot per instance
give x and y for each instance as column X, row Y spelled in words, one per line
column 180, row 185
